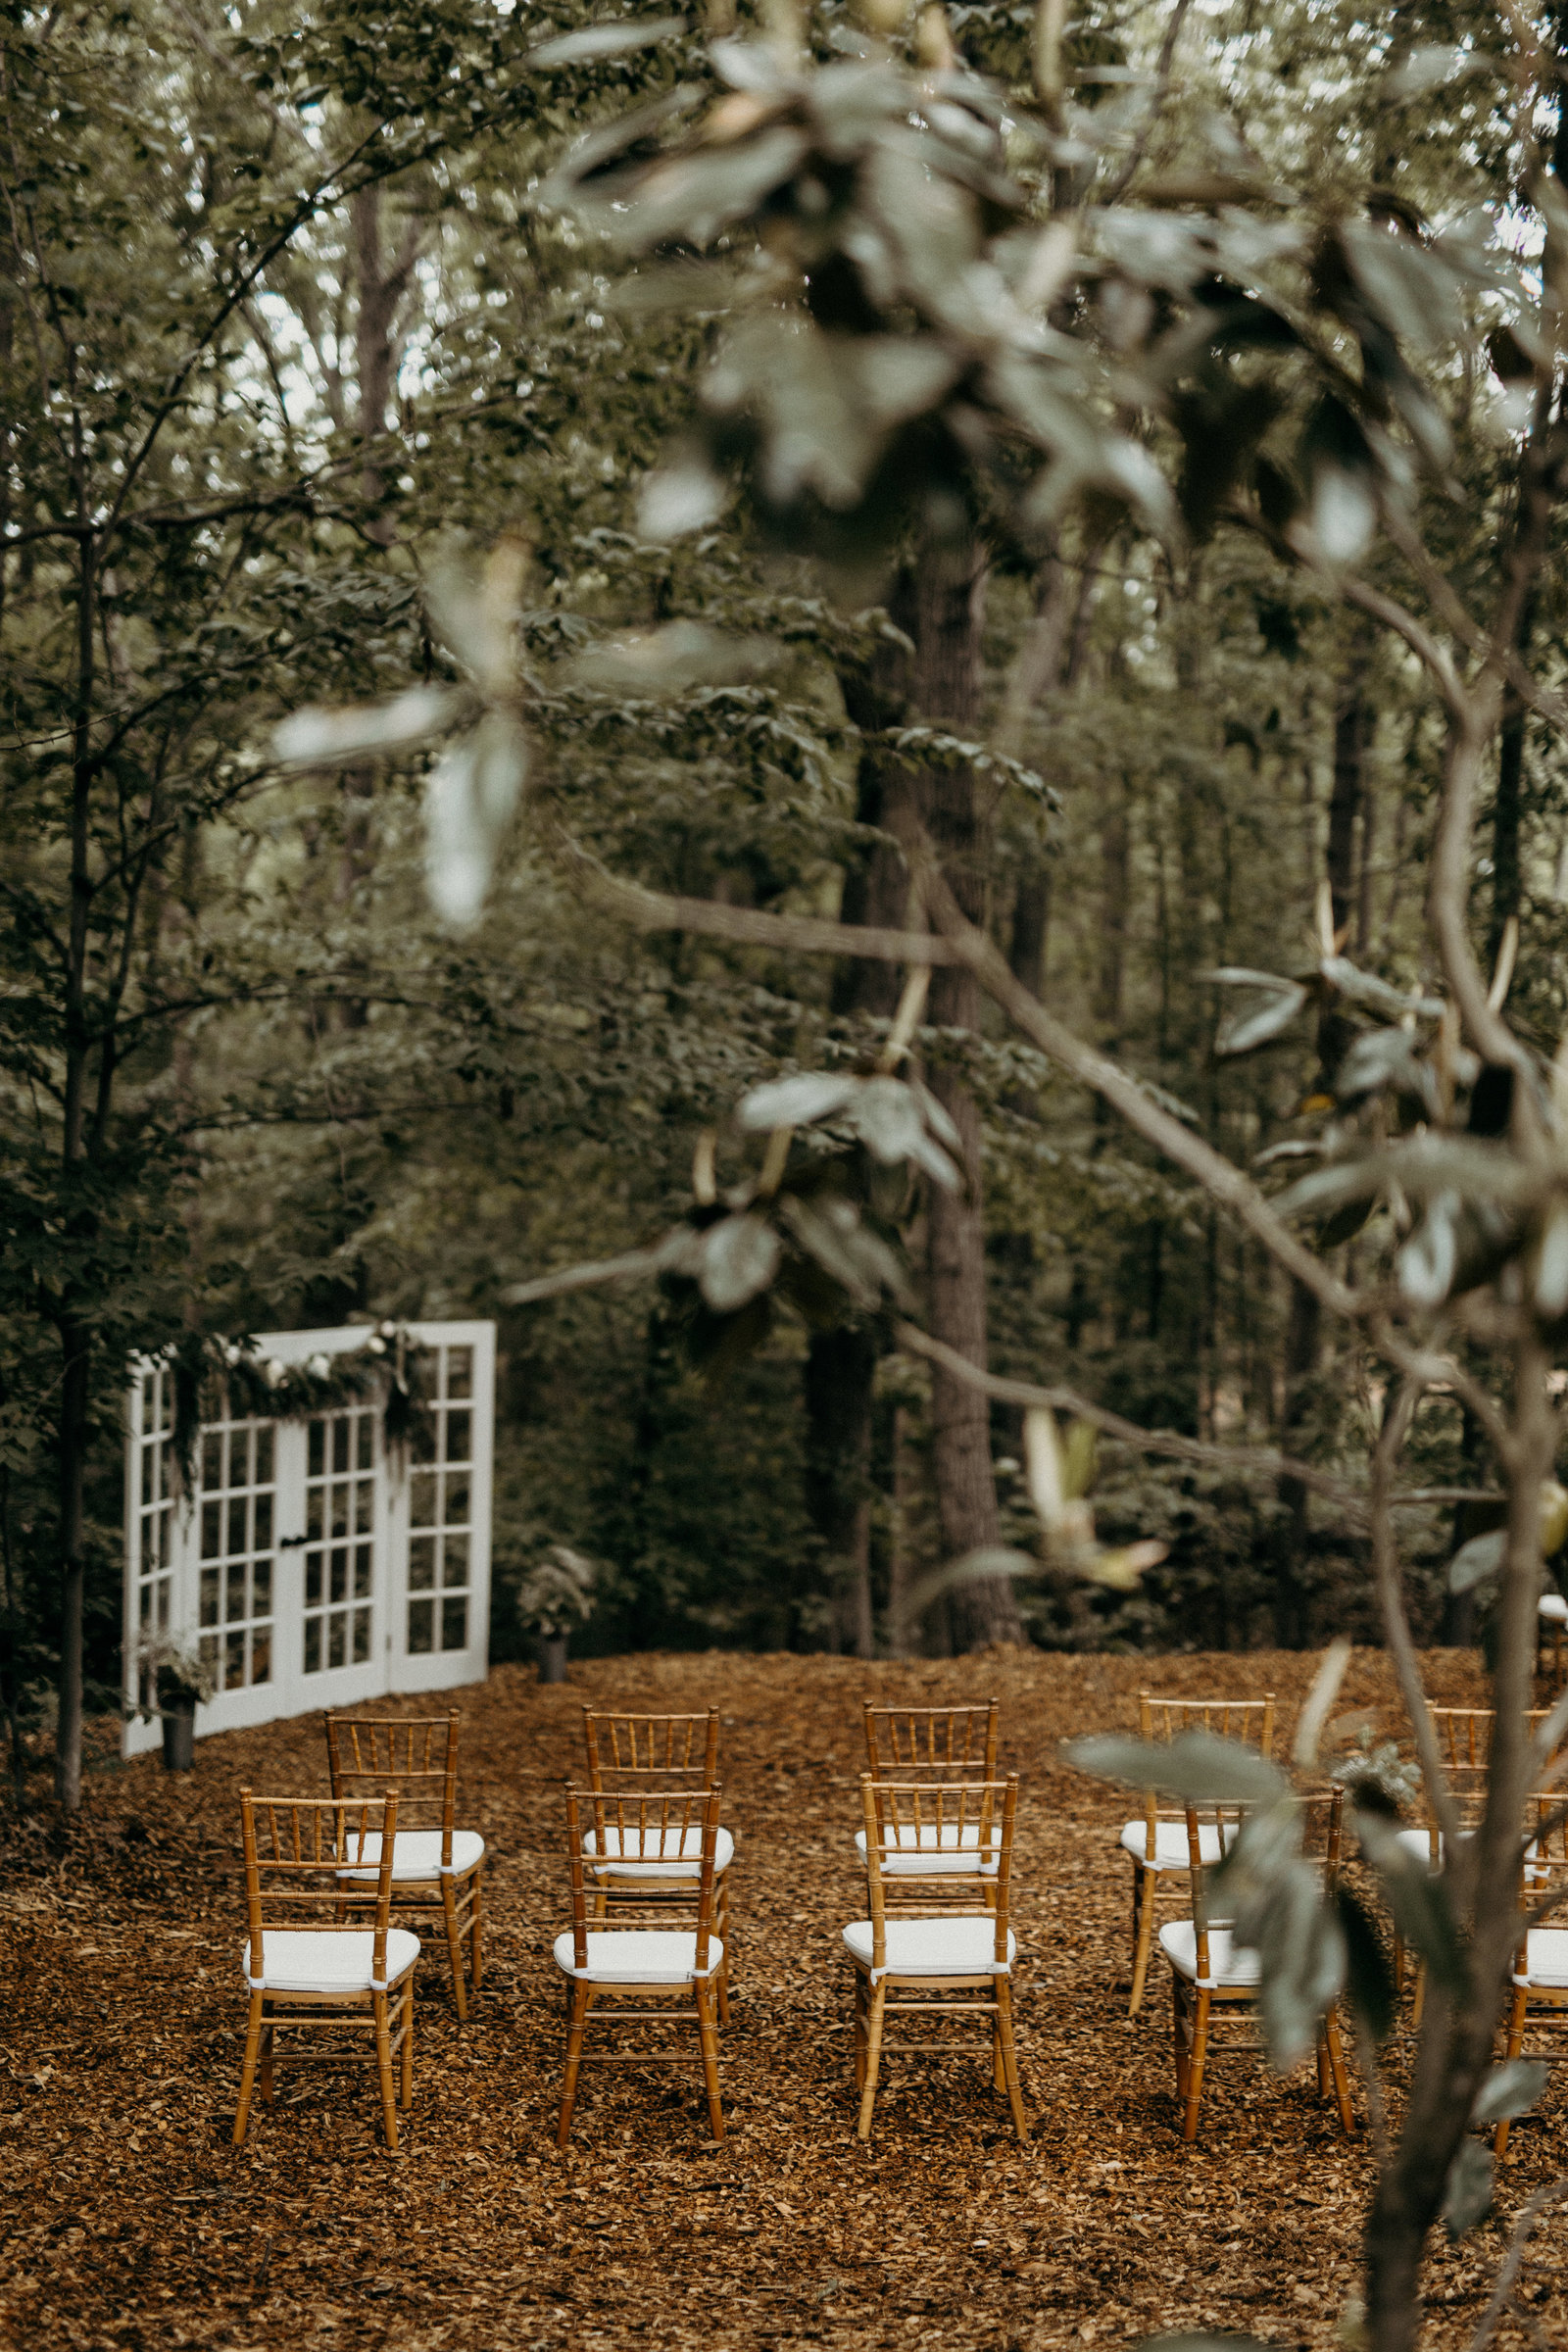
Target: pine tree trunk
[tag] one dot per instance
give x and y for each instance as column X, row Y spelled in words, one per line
column 841, row 1367
column 72, row 1432
column 950, row 605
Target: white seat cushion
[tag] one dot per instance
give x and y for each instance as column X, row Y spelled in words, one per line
column 316, row 1960
column 416, row 1855
column 655, row 1853
column 1170, row 1843
column 1553, row 1606
column 1229, row 1966
column 1546, row 1958
column 931, row 1849
column 933, row 1947
column 638, row 1956
column 1417, row 1843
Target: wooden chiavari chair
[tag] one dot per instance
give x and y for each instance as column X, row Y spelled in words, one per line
column 1464, row 1741
column 437, row 1868
column 932, row 1745
column 1551, row 1645
column 661, row 1940
column 1156, row 1842
column 656, row 1750
column 1539, row 2001
column 942, row 1931
column 1214, row 1981
column 307, row 1967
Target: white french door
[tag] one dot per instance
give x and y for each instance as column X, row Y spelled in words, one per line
column 307, row 1567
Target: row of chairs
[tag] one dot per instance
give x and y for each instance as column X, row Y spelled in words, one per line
column 1210, row 1972
column 336, row 1885
column 650, row 1869
column 649, row 1915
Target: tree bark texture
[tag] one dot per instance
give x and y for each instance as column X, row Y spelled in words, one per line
column 840, row 1369
column 950, row 605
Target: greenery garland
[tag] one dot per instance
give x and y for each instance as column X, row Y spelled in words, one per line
column 213, row 1376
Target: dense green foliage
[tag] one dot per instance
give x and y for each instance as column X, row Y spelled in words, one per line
column 360, row 349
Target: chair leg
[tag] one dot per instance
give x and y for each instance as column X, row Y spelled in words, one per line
column 1143, row 1882
column 383, row 2061
column 1334, row 2047
column 998, row 2073
column 408, row 2041
column 1195, row 2067
column 247, row 2078
column 877, row 2000
column 574, row 2034
column 1010, row 2057
column 860, row 2033
column 1420, row 2001
column 1181, row 2037
column 449, row 1911
column 477, row 1929
column 265, row 2078
column 723, row 1936
column 1398, row 1963
column 708, row 2040
column 1516, row 2035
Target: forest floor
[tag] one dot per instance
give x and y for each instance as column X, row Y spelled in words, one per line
column 135, row 2225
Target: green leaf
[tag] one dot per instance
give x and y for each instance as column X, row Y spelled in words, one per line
column 1368, row 1974
column 795, row 1101
column 1197, row 1767
column 1343, row 484
column 596, row 42
column 740, row 1258
column 1301, row 1952
column 833, row 1236
column 1243, row 1032
column 1510, row 2090
column 1467, row 2192
column 1427, row 1264
column 1417, row 1898
column 318, row 738
column 1477, row 1559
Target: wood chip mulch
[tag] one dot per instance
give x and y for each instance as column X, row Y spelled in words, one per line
column 134, row 2225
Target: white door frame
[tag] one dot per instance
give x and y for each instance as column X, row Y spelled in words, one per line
column 303, row 1544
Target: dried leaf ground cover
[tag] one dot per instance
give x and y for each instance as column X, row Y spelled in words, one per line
column 133, row 2222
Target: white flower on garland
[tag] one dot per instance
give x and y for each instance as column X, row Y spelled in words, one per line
column 274, row 1372
column 318, row 1368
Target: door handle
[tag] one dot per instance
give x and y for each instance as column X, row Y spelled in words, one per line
column 291, row 1542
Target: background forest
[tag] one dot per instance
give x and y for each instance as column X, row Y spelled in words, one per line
column 293, row 329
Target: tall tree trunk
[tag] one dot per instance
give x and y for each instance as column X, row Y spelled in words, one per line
column 1349, row 807
column 841, row 1368
column 950, row 598
column 1302, row 1338
column 382, row 282
column 901, row 1565
column 72, row 1415
column 72, row 1425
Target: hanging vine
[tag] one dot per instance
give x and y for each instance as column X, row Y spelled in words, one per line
column 213, row 1378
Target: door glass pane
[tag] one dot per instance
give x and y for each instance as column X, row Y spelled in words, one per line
column 341, row 1509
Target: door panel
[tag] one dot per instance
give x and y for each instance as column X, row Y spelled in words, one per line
column 309, row 1569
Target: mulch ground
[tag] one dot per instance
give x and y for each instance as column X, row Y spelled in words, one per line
column 133, row 2224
